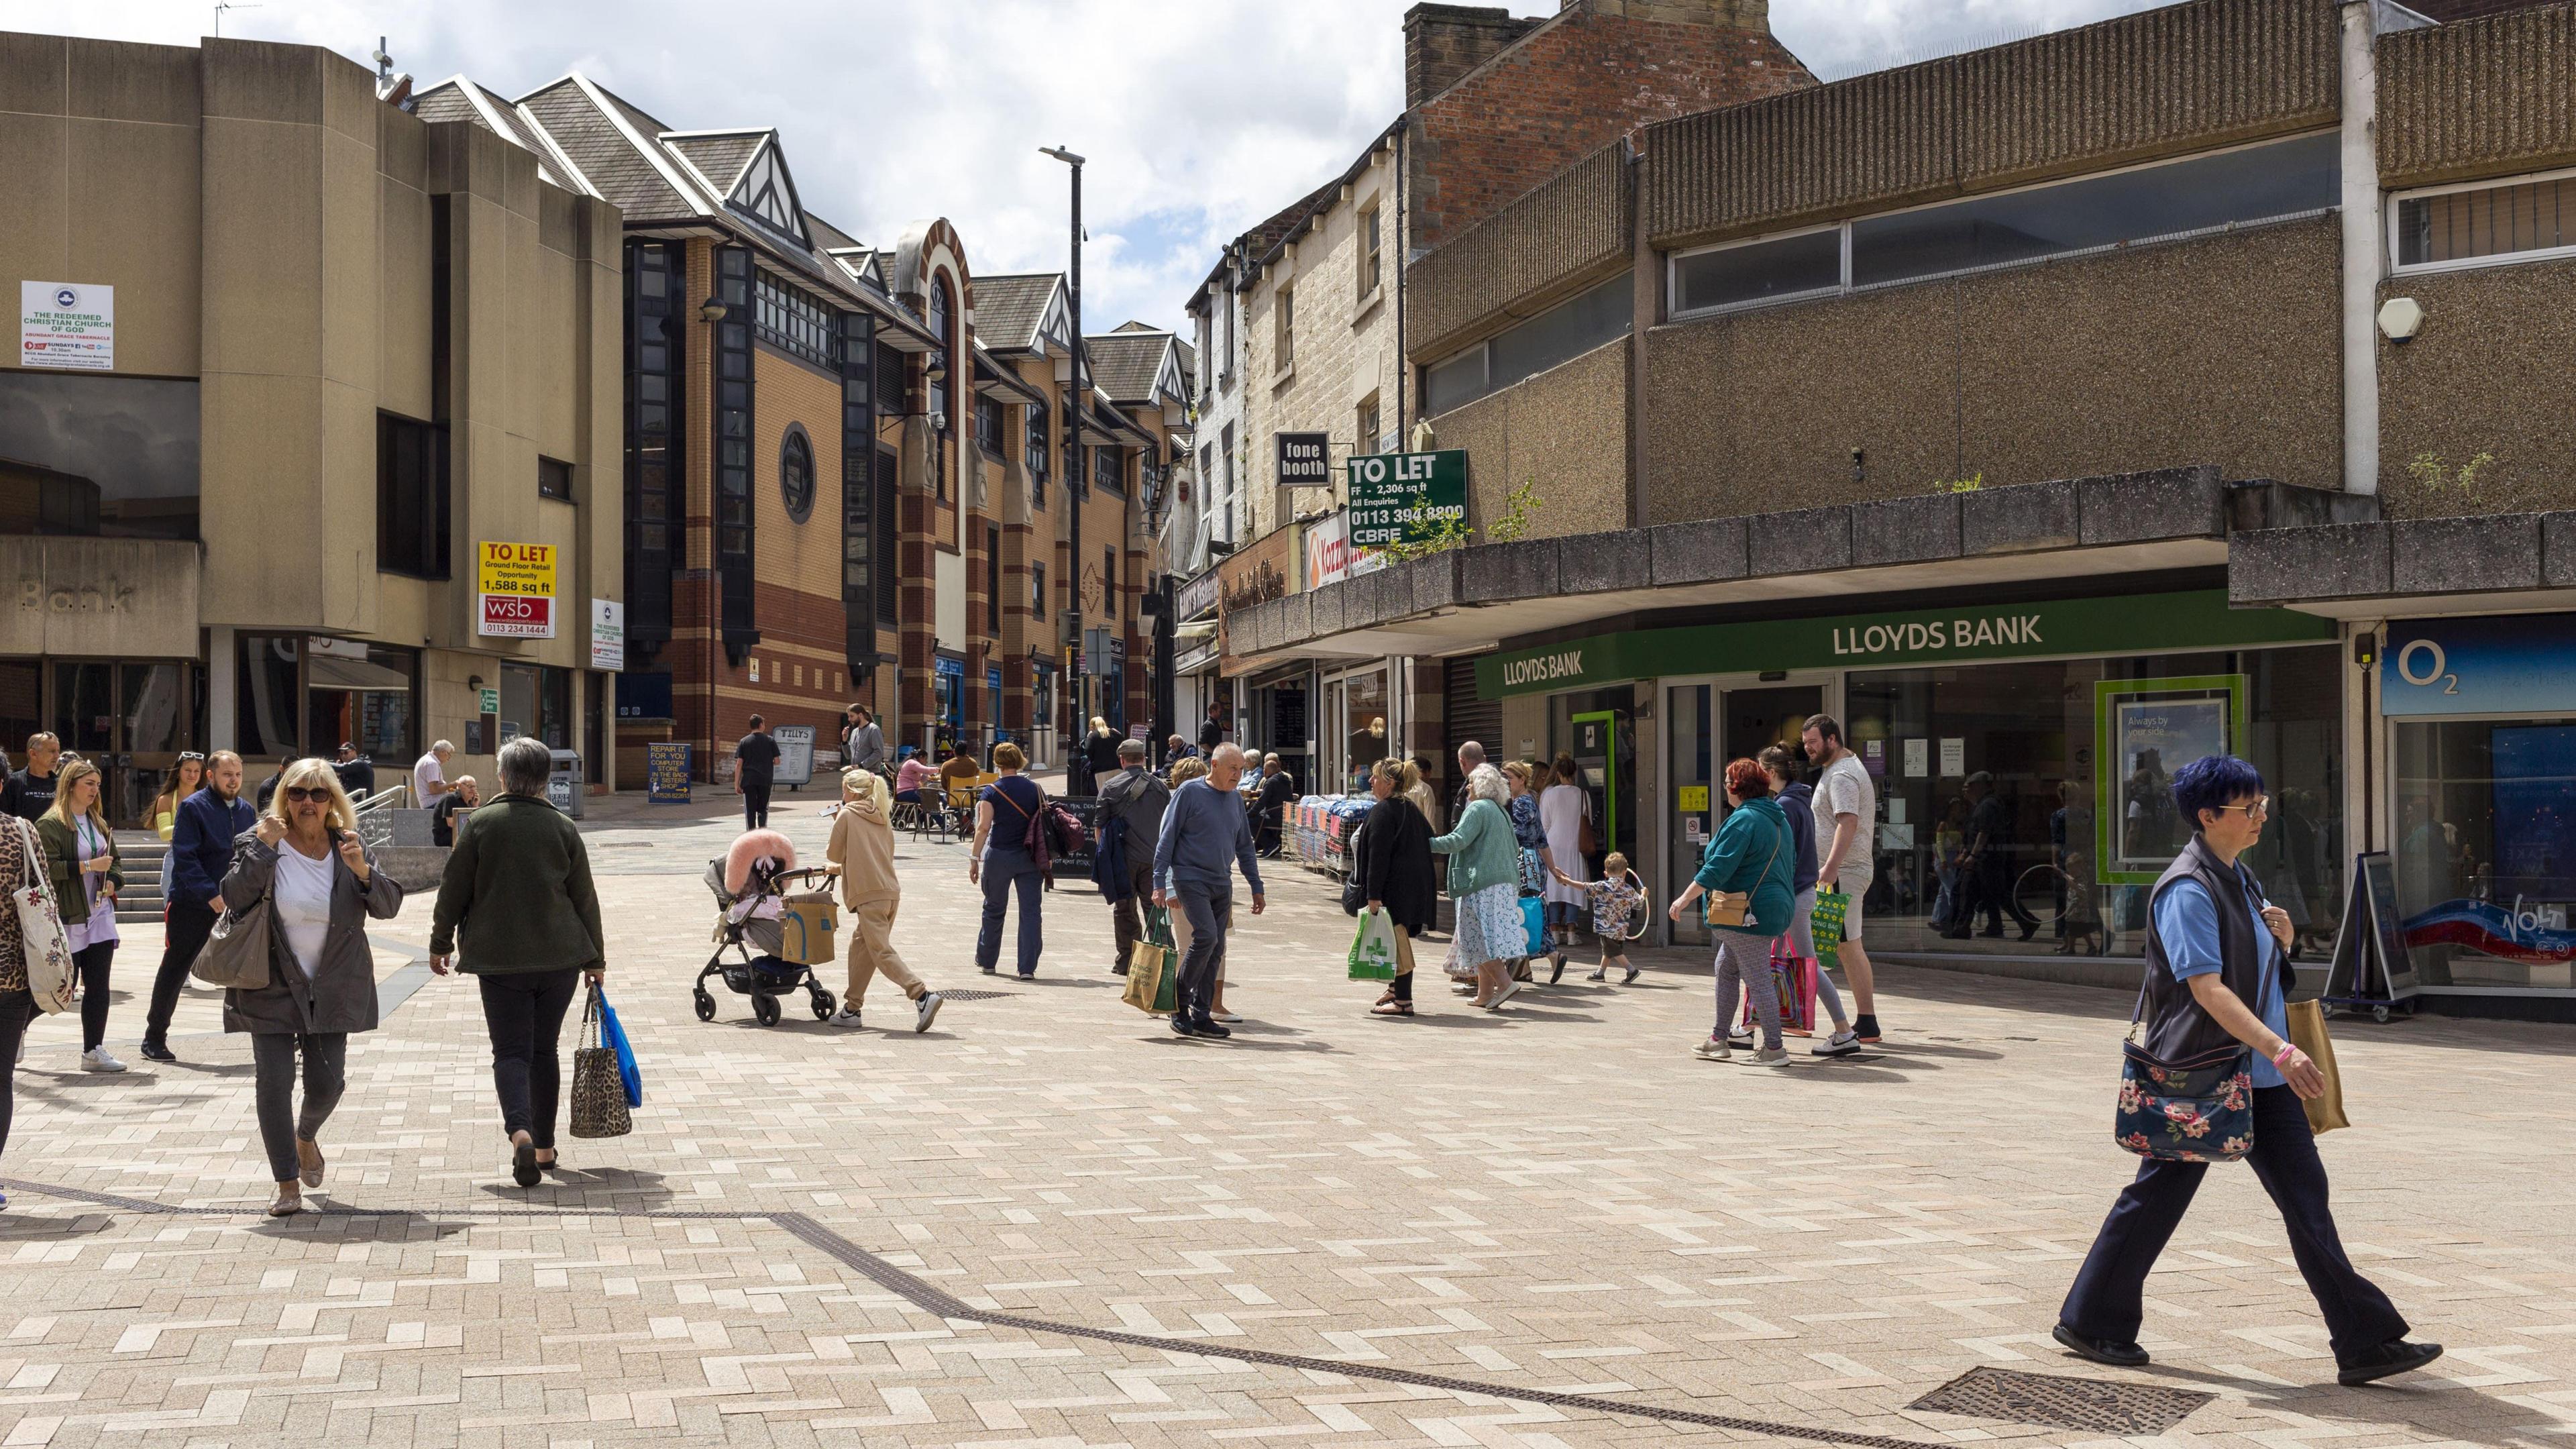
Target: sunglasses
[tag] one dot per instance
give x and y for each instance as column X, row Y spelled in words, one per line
column 186, row 755
column 307, row 795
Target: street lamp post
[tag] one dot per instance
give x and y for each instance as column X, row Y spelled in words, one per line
column 1079, row 694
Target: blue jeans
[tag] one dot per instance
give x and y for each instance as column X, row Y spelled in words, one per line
column 1005, row 871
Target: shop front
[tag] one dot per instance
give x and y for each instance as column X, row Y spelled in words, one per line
column 2022, row 751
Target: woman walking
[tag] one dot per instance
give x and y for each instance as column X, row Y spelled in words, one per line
column 517, row 892
column 1752, row 855
column 87, row 872
column 184, row 779
column 22, row 864
column 1394, row 871
column 1000, row 862
column 1484, row 881
column 1796, row 798
column 1563, row 808
column 303, row 863
column 862, row 854
column 2218, row 974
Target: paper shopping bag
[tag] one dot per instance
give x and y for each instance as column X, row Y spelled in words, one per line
column 2308, row 1034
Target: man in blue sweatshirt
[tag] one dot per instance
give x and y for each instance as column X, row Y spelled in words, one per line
column 1205, row 835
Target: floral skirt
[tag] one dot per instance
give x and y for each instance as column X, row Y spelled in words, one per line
column 1490, row 928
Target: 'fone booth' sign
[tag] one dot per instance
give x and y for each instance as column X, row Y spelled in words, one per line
column 514, row 590
column 1406, row 497
column 1305, row 460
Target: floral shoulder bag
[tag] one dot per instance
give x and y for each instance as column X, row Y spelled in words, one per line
column 2196, row 1109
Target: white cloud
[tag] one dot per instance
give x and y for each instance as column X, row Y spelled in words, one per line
column 1198, row 117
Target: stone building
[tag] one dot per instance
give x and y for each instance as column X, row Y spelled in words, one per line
column 294, row 362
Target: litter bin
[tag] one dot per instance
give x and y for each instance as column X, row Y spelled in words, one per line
column 563, row 782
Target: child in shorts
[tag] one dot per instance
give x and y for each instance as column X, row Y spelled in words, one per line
column 1616, row 899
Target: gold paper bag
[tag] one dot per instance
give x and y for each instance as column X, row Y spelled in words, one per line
column 2308, row 1034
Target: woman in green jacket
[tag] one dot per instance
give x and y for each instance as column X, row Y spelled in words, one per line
column 86, row 873
column 1752, row 853
column 1485, row 883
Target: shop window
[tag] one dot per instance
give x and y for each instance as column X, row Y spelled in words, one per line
column 2525, row 219
column 1357, row 706
column 1754, row 272
column 365, row 694
column 112, row 457
column 267, row 713
column 411, row 497
column 2485, row 850
column 554, row 479
column 796, row 474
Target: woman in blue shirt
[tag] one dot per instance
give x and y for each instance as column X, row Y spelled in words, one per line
column 1000, row 862
column 2218, row 970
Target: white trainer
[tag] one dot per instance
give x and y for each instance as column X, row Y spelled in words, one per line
column 926, row 1010
column 843, row 1017
column 96, row 1059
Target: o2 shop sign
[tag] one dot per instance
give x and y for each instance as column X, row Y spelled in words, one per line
column 515, row 590
column 2510, row 664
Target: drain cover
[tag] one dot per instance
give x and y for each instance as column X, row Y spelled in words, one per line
column 974, row 995
column 2111, row 1408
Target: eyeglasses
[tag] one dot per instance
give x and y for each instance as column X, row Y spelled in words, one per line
column 2255, row 809
column 307, row 794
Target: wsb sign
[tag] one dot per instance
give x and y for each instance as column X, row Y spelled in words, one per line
column 515, row 590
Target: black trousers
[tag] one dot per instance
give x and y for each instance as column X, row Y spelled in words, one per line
column 2106, row 1299
column 189, row 926
column 524, row 1013
column 92, row 963
column 1995, row 892
column 1127, row 916
column 1209, row 913
column 755, row 804
column 326, row 1075
column 17, row 1008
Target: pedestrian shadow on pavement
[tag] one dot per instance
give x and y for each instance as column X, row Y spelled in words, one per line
column 1240, row 1042
column 2441, row 1407
column 619, row 1189
column 334, row 1224
column 1916, row 1048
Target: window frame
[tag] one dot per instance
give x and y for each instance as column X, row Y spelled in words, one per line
column 1369, row 231
column 1842, row 272
column 992, row 442
column 1368, row 420
column 796, row 443
column 2391, row 203
column 1283, row 329
column 794, row 320
column 547, row 466
column 431, row 555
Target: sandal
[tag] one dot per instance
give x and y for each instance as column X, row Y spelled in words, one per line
column 1392, row 1007
column 308, row 1156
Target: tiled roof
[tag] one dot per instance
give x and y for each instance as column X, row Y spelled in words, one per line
column 719, row 158
column 1009, row 308
column 444, row 101
column 1124, row 363
column 622, row 175
column 455, row 100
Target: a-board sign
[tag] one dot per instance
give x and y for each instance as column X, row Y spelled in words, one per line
column 2370, row 957
column 666, row 773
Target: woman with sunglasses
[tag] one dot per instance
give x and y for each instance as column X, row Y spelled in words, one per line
column 304, row 862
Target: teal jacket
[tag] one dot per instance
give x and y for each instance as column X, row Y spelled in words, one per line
column 1482, row 850
column 1753, row 852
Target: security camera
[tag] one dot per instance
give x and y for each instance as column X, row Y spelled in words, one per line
column 2401, row 318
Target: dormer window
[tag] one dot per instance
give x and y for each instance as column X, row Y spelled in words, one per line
column 768, row 196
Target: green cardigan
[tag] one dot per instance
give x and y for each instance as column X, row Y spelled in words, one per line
column 62, row 864
column 1482, row 850
column 517, row 890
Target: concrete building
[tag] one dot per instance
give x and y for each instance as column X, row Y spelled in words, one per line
column 297, row 370
column 2046, row 449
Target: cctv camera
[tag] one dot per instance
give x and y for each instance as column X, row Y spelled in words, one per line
column 2401, row 318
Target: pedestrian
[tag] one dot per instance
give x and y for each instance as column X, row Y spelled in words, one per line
column 1846, row 807
column 28, row 793
column 2218, row 974
column 1564, row 808
column 755, row 766
column 1470, row 755
column 862, row 854
column 1394, row 869
column 999, row 860
column 22, row 864
column 1212, row 730
column 1205, row 835
column 210, row 821
column 1130, row 821
column 1989, row 860
column 1796, row 802
column 1615, row 900
column 957, row 777
column 1484, row 883
column 910, row 775
column 1175, row 748
column 448, row 816
column 1100, row 752
column 87, row 872
column 304, row 864
column 268, row 787
column 357, row 773
column 1751, row 855
column 429, row 775
column 864, row 746
column 1526, row 831
column 1270, row 804
column 185, row 779
column 516, row 902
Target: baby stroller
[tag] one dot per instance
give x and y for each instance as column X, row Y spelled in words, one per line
column 766, row 976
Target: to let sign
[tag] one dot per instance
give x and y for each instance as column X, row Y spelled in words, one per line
column 1406, row 497
column 1305, row 460
column 515, row 590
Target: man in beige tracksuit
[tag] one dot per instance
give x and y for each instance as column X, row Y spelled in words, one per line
column 862, row 851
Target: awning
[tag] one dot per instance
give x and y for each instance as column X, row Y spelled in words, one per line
column 323, row 671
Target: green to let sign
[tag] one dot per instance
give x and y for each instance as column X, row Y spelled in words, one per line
column 1406, row 497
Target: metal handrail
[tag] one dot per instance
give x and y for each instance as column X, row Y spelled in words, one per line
column 391, row 794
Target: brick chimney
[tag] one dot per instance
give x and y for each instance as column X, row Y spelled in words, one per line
column 1444, row 42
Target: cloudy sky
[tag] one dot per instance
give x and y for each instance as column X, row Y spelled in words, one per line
column 1199, row 117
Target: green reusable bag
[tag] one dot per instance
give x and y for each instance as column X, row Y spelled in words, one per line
column 1828, row 923
column 1373, row 950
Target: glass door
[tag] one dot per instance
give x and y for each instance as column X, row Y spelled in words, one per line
column 1690, row 765
column 131, row 720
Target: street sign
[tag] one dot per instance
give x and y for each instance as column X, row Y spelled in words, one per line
column 1305, row 460
column 487, row 701
column 515, row 590
column 1406, row 497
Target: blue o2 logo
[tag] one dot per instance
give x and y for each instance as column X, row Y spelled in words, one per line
column 2423, row 664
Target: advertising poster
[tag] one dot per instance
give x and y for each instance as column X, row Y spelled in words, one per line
column 1406, row 497
column 607, row 635
column 2145, row 729
column 514, row 590
column 67, row 324
column 666, row 773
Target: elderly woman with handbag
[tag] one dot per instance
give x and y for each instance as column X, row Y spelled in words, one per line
column 1484, row 881
column 1746, row 872
column 293, row 950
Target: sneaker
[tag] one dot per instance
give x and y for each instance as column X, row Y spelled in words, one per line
column 846, row 1016
column 926, row 1010
column 96, row 1059
column 1601, row 975
column 1714, row 1049
column 1207, row 1026
column 1742, row 1037
column 1181, row 1025
column 154, row 1051
column 1771, row 1057
column 1866, row 1028
column 1228, row 1017
column 2396, row 1356
column 1840, row 1044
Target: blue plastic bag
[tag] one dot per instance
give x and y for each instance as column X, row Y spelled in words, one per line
column 613, row 1032
column 1534, row 923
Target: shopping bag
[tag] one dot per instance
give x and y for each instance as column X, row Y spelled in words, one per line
column 1153, row 971
column 1795, row 991
column 1827, row 922
column 613, row 1033
column 48, row 951
column 1534, row 924
column 1373, row 950
column 598, row 1095
column 2308, row 1034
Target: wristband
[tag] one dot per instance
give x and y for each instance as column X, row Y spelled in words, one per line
column 2281, row 1058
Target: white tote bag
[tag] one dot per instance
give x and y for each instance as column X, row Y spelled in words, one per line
column 40, row 926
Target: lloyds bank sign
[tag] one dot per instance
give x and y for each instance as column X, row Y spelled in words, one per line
column 2123, row 624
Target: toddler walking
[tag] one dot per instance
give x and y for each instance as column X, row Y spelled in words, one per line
column 1616, row 899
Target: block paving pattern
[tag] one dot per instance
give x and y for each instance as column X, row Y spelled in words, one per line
column 1048, row 1222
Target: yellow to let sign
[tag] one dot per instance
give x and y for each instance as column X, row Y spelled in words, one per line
column 526, row 570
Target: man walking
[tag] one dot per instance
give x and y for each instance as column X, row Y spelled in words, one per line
column 29, row 793
column 755, row 765
column 1132, row 802
column 1987, row 858
column 201, row 851
column 1212, row 731
column 1470, row 755
column 1205, row 834
column 1846, row 807
column 867, row 742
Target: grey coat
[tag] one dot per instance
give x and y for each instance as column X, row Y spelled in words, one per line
column 341, row 994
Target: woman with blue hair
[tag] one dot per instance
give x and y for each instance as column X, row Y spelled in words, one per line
column 2218, row 971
